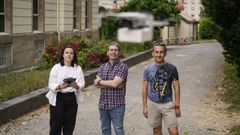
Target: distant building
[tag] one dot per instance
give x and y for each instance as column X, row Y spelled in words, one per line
column 186, row 30
column 26, row 26
column 112, row 4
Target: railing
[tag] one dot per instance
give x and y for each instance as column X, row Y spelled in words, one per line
column 179, row 41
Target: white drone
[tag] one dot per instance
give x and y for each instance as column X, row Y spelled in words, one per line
column 137, row 27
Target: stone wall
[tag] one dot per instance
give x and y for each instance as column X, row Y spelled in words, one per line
column 23, row 46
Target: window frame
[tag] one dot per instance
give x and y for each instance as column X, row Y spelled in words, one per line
column 74, row 14
column 39, row 46
column 86, row 14
column 35, row 15
column 4, row 18
column 8, row 55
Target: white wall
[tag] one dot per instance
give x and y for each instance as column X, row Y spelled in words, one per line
column 192, row 8
column 185, row 29
column 108, row 4
column 164, row 33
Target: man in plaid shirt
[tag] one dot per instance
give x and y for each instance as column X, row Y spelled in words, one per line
column 111, row 78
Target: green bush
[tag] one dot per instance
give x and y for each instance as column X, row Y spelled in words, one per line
column 83, row 47
column 109, row 29
column 91, row 54
column 208, row 29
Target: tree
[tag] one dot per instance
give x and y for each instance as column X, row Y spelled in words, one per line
column 161, row 9
column 226, row 14
column 207, row 28
column 108, row 28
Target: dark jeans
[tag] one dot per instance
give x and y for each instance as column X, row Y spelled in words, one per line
column 63, row 115
column 116, row 116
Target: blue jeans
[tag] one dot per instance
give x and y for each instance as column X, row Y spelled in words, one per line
column 116, row 116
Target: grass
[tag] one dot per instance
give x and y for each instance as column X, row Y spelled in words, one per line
column 16, row 84
column 231, row 84
column 235, row 130
column 232, row 94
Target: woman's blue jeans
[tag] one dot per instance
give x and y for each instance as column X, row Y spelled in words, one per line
column 116, row 116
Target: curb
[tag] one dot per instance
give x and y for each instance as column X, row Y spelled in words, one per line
column 21, row 105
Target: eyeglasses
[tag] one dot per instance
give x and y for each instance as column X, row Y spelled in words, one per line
column 113, row 50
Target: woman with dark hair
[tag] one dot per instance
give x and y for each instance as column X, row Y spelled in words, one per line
column 66, row 80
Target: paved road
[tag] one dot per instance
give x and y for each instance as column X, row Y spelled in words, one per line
column 200, row 71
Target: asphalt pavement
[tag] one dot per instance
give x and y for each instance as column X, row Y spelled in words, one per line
column 200, row 71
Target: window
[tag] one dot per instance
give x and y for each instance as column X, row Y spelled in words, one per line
column 74, row 14
column 86, row 14
column 2, row 16
column 35, row 14
column 39, row 47
column 5, row 54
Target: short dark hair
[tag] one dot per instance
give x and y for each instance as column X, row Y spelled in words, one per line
column 61, row 59
column 160, row 44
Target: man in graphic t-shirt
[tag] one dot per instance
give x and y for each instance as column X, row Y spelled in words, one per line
column 157, row 93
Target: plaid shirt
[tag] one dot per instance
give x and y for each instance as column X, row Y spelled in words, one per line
column 112, row 97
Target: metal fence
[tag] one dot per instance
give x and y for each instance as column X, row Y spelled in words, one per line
column 179, row 41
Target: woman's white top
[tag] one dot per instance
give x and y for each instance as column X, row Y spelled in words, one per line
column 56, row 77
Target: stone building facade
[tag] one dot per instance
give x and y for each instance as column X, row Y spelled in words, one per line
column 26, row 26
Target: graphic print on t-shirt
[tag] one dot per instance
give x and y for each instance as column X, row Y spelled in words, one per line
column 161, row 80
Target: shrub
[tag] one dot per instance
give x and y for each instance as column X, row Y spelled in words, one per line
column 109, row 29
column 90, row 54
column 49, row 57
column 207, row 28
column 50, row 54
